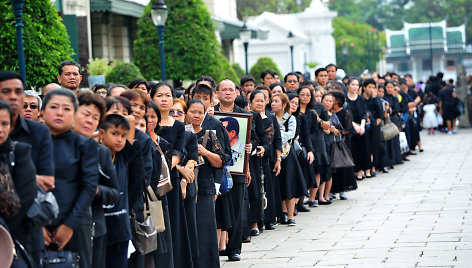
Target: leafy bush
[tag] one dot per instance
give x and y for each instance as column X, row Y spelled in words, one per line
column 191, row 47
column 123, row 73
column 98, row 66
column 239, row 71
column 46, row 43
column 264, row 63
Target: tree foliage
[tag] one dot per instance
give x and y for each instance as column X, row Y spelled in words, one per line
column 191, row 47
column 253, row 8
column 239, row 71
column 123, row 73
column 46, row 43
column 263, row 63
column 362, row 42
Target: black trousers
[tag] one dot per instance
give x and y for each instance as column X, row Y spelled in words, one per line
column 99, row 250
column 236, row 233
column 117, row 255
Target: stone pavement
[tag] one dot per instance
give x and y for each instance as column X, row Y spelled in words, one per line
column 419, row 215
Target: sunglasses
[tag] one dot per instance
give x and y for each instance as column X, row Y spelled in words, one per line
column 174, row 113
column 32, row 106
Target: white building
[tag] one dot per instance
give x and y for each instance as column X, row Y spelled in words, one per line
column 423, row 49
column 312, row 30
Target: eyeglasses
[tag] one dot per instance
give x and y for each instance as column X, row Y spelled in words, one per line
column 174, row 113
column 101, row 92
column 292, row 81
column 32, row 106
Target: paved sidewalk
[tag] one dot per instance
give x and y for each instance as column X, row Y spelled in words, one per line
column 419, row 215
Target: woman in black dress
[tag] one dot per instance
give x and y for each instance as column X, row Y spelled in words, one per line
column 185, row 168
column 302, row 136
column 359, row 141
column 211, row 156
column 320, row 122
column 173, row 131
column 343, row 178
column 393, row 110
column 270, row 164
column 292, row 183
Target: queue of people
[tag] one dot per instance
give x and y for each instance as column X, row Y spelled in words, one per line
column 102, row 154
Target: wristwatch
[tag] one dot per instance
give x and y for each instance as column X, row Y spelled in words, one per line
column 279, row 158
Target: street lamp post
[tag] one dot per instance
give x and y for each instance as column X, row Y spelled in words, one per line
column 159, row 16
column 291, row 43
column 18, row 12
column 245, row 36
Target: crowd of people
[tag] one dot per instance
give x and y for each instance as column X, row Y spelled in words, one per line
column 99, row 153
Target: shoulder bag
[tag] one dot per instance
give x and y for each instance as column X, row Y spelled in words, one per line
column 389, row 130
column 206, row 137
column 164, row 186
column 144, row 233
column 155, row 207
column 341, row 156
column 288, row 144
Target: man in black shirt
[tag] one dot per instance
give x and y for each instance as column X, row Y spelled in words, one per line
column 12, row 89
column 447, row 107
column 227, row 93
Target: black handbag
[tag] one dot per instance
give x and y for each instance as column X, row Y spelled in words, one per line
column 144, row 233
column 59, row 259
column 44, row 209
column 341, row 155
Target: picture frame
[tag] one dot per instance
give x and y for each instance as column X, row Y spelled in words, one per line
column 239, row 126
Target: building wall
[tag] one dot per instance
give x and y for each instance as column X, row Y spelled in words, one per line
column 113, row 35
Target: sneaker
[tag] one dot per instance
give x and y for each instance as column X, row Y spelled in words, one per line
column 342, row 196
column 454, row 131
column 291, row 222
column 449, row 132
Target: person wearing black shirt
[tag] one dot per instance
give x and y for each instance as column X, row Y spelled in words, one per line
column 375, row 117
column 393, row 110
column 447, row 107
column 32, row 133
column 76, row 182
column 90, row 113
column 227, row 93
column 359, row 141
column 16, row 163
column 173, row 131
column 213, row 155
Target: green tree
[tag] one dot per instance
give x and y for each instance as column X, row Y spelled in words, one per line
column 253, row 8
column 239, row 71
column 191, row 47
column 123, row 73
column 46, row 43
column 362, row 50
column 263, row 63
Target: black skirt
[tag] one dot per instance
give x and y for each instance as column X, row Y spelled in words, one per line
column 207, row 237
column 291, row 181
column 360, row 152
column 224, row 212
column 343, row 180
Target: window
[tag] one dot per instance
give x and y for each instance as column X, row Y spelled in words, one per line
column 427, row 64
column 451, row 63
column 404, row 67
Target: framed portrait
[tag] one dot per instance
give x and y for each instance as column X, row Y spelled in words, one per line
column 238, row 127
